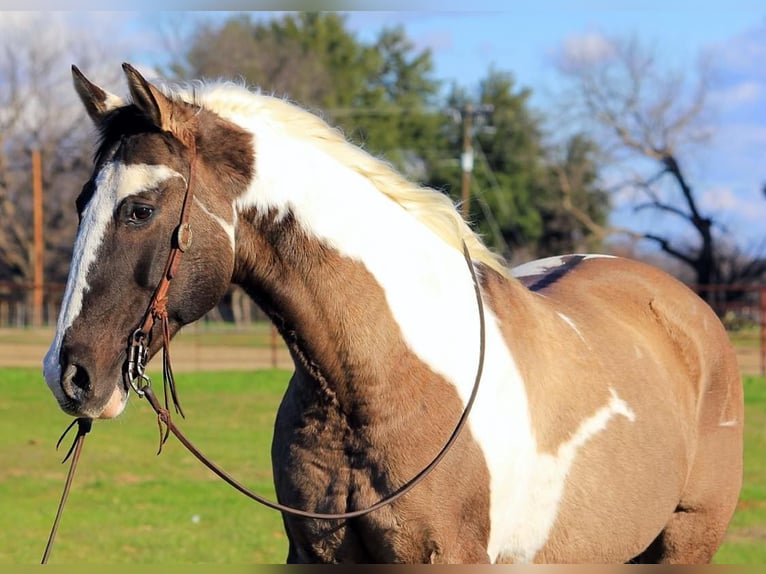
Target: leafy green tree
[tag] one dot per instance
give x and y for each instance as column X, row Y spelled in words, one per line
column 508, row 164
column 573, row 203
column 394, row 114
column 519, row 186
column 377, row 93
column 384, row 96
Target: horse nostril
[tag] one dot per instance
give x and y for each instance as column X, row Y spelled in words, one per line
column 75, row 382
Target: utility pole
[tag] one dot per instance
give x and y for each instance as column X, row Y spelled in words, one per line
column 37, row 234
column 466, row 159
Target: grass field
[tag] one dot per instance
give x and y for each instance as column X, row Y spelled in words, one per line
column 129, row 506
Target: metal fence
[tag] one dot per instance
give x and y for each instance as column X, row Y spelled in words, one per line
column 742, row 308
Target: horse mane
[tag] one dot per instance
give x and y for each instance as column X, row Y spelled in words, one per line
column 431, row 207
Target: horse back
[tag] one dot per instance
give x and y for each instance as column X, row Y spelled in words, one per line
column 629, row 313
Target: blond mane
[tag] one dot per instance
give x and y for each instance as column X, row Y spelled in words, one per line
column 432, row 208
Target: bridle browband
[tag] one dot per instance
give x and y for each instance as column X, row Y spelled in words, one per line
column 134, row 376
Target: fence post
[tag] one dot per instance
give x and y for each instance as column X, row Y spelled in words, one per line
column 762, row 316
column 37, row 227
column 273, row 331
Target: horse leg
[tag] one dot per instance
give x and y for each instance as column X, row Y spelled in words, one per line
column 691, row 536
column 698, row 525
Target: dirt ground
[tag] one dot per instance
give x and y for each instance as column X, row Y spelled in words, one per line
column 749, row 360
column 26, row 348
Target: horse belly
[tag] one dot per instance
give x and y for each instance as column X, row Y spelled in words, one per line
column 601, row 496
column 616, row 504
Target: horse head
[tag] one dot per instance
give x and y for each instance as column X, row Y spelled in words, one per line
column 154, row 151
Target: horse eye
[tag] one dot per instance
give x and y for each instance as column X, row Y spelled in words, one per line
column 137, row 213
column 142, row 212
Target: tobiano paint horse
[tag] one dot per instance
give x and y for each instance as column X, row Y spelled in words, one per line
column 608, row 422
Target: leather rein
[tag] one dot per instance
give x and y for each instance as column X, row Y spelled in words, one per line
column 134, row 376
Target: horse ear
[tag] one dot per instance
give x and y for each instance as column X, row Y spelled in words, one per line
column 97, row 102
column 150, row 100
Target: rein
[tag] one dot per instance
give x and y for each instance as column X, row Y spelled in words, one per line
column 134, row 376
column 83, row 428
column 163, row 417
column 138, row 344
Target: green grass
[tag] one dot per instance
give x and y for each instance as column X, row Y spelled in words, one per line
column 129, row 506
column 746, row 539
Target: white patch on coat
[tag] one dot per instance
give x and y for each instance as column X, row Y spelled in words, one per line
column 569, row 321
column 114, row 182
column 528, row 527
column 549, row 264
column 430, row 293
column 228, row 228
column 428, row 289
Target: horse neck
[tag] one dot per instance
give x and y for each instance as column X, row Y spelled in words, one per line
column 359, row 289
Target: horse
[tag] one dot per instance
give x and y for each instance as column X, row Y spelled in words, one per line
column 607, row 426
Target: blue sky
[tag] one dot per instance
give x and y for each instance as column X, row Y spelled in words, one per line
column 525, row 40
column 728, row 173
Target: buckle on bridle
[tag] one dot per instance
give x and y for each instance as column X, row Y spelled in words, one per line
column 135, row 375
column 183, row 236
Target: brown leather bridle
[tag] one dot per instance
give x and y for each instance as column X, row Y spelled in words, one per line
column 134, row 377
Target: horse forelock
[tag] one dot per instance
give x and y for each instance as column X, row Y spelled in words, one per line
column 121, row 123
column 222, row 150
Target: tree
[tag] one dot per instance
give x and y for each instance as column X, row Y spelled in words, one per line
column 292, row 56
column 383, row 95
column 36, row 114
column 648, row 119
column 575, row 203
column 394, row 114
column 377, row 93
column 515, row 196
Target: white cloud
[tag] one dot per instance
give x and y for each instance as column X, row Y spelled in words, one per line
column 719, row 198
column 742, row 55
column 583, row 49
column 736, row 152
column 435, row 40
column 741, row 213
column 741, row 93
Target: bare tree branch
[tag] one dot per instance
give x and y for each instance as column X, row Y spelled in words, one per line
column 664, row 244
column 643, row 111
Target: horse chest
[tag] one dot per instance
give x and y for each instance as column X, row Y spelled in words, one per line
column 322, row 472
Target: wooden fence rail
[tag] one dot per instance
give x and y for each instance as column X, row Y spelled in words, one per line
column 742, row 308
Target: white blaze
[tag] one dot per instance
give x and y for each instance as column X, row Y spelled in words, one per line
column 114, row 182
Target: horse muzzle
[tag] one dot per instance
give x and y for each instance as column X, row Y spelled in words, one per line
column 80, row 394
